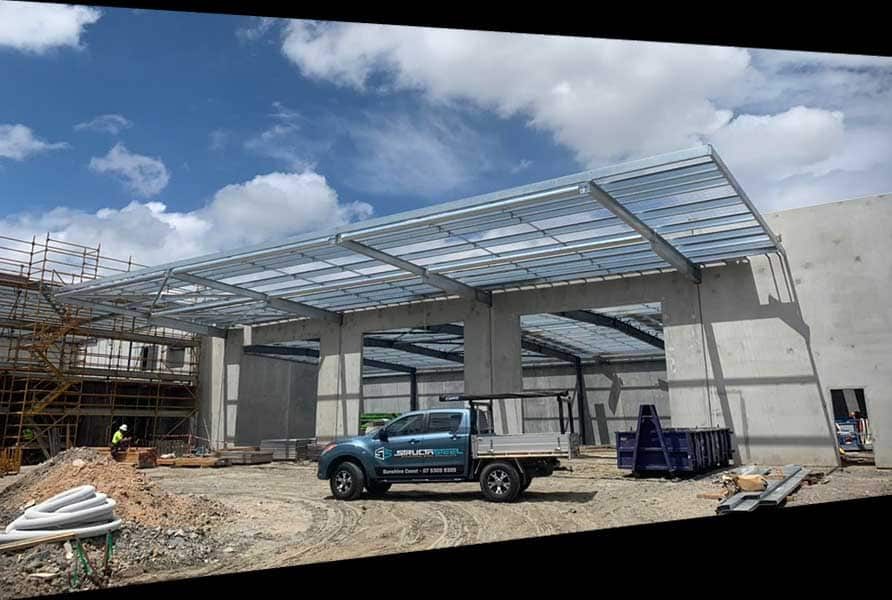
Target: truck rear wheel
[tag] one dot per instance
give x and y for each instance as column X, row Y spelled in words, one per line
column 347, row 481
column 500, row 482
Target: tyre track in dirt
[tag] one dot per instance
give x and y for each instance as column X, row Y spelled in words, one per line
column 288, row 517
column 341, row 521
column 299, row 522
column 472, row 526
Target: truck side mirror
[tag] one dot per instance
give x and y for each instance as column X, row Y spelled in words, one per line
column 382, row 434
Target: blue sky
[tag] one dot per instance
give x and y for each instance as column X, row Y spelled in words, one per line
column 167, row 134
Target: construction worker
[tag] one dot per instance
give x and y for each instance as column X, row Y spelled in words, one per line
column 120, row 440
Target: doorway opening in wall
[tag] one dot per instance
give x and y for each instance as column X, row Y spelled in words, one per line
column 613, row 358
column 852, row 423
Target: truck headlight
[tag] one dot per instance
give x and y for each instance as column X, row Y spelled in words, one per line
column 328, row 447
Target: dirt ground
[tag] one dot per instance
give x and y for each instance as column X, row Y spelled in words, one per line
column 282, row 515
column 289, row 518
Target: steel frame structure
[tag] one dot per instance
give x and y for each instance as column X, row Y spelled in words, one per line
column 679, row 211
column 62, row 367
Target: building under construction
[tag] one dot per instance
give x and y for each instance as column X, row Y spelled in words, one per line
column 69, row 377
column 651, row 282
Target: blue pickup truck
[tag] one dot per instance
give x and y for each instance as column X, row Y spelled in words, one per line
column 446, row 445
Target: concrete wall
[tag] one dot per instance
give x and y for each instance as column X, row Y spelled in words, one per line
column 264, row 398
column 277, row 399
column 840, row 256
column 739, row 355
column 775, row 333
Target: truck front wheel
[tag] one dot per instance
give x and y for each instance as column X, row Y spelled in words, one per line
column 347, row 481
column 500, row 482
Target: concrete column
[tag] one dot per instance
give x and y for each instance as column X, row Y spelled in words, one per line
column 236, row 340
column 339, row 388
column 493, row 362
column 687, row 368
column 209, row 423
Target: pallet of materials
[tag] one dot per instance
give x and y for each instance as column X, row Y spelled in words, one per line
column 774, row 494
column 287, row 449
column 246, row 457
column 314, row 451
column 194, row 462
column 10, row 460
column 142, row 458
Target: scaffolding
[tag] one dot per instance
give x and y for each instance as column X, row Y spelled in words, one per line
column 69, row 378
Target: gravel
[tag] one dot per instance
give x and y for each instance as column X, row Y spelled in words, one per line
column 161, row 531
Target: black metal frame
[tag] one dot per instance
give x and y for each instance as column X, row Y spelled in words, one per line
column 561, row 396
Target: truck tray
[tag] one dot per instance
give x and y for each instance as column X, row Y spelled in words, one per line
column 523, row 445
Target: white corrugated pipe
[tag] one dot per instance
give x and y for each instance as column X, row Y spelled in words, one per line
column 80, row 511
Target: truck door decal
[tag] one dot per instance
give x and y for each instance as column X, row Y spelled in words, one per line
column 385, row 453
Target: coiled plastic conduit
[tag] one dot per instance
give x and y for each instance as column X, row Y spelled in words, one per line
column 79, row 511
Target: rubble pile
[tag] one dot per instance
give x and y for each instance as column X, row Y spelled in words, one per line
column 159, row 530
column 139, row 500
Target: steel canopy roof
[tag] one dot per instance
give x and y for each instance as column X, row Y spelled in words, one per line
column 675, row 211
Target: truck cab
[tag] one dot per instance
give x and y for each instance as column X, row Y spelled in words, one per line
column 442, row 445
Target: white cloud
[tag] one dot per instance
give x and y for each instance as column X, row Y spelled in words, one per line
column 219, row 139
column 523, row 165
column 284, row 113
column 422, row 154
column 778, row 146
column 18, row 143
column 775, row 116
column 604, row 99
column 796, row 59
column 857, row 167
column 37, row 28
column 113, row 124
column 267, row 207
column 833, row 186
column 258, row 28
column 284, row 140
column 276, row 205
column 144, row 175
column 396, row 152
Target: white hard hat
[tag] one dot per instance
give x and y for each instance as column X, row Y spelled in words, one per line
column 124, row 427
